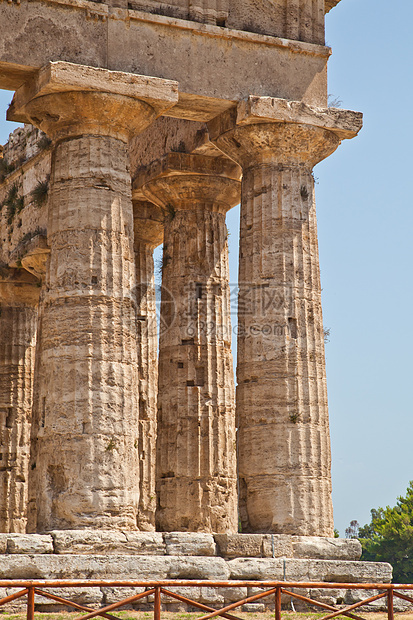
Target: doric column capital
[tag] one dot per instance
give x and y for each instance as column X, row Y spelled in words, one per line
column 65, row 100
column 266, row 130
column 18, row 287
column 191, row 182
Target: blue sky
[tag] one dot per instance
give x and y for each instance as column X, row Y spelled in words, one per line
column 365, row 220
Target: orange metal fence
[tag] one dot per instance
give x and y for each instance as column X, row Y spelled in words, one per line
column 158, row 589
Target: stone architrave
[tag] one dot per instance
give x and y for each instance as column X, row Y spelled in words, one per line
column 85, row 460
column 19, row 297
column 282, row 413
column 148, row 234
column 196, row 456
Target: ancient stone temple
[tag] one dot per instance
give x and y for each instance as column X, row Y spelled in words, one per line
column 145, row 122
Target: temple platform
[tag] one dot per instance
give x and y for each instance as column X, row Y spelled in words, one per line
column 148, row 556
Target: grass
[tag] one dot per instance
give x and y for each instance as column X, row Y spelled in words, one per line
column 40, row 192
column 13, row 202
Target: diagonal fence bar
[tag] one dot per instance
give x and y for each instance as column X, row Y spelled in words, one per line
column 403, row 596
column 189, row 601
column 13, row 597
column 340, row 612
column 65, row 601
column 311, row 601
column 243, row 601
column 126, row 601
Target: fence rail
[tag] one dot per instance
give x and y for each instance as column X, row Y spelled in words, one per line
column 157, row 589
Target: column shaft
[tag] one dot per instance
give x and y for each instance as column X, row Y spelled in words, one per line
column 285, row 485
column 282, row 415
column 85, row 448
column 18, row 322
column 196, row 432
column 196, row 455
column 87, row 443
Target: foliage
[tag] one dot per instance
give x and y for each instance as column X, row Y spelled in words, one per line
column 336, row 533
column 39, row 194
column 13, row 202
column 44, row 143
column 334, row 102
column 389, row 537
column 170, row 213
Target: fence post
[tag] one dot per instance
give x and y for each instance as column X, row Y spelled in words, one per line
column 157, row 605
column 390, row 609
column 278, row 603
column 30, row 604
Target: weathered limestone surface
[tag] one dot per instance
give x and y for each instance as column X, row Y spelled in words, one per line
column 326, row 548
column 123, row 40
column 289, row 19
column 196, row 459
column 23, row 219
column 27, row 543
column 189, row 543
column 85, row 433
column 254, row 545
column 148, row 233
column 313, row 570
column 107, row 542
column 117, row 567
column 19, row 296
column 228, row 546
column 94, row 415
column 113, row 567
column 285, row 486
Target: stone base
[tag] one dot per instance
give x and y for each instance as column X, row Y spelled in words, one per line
column 227, row 546
column 104, row 555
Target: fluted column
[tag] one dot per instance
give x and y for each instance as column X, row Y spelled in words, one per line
column 85, row 459
column 282, row 411
column 148, row 232
column 196, row 456
column 19, row 296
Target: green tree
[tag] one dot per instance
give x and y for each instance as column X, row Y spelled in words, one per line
column 389, row 537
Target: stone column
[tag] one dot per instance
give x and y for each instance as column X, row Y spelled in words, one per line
column 19, row 296
column 282, row 413
column 148, row 228
column 196, row 455
column 86, row 456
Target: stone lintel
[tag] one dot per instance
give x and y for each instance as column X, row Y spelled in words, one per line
column 175, row 164
column 244, row 62
column 257, row 110
column 59, row 77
